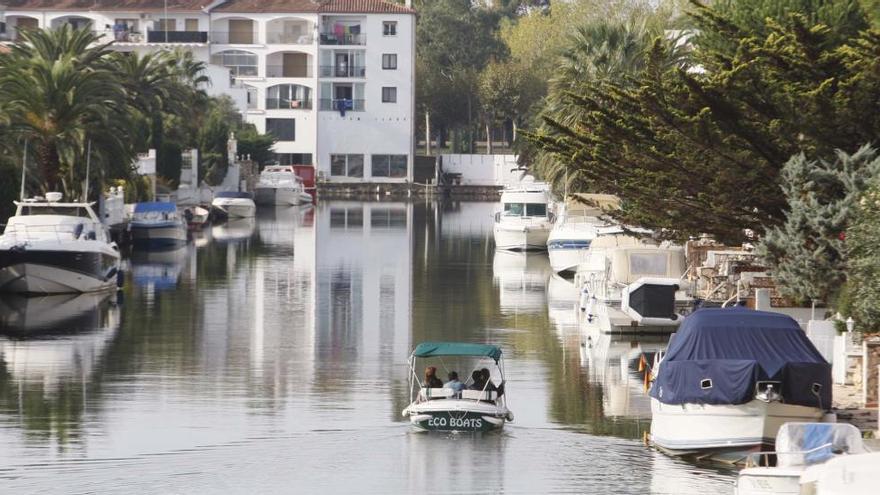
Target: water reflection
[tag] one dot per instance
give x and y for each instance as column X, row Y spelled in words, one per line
column 271, row 352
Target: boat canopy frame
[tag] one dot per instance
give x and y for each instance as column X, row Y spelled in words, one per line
column 427, row 350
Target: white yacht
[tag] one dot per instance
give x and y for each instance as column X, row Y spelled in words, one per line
column 730, row 379
column 575, row 227
column 157, row 224
column 801, row 451
column 524, row 222
column 279, row 185
column 50, row 247
column 234, row 204
column 631, row 285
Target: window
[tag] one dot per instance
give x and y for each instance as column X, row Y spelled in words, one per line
column 240, row 62
column 388, row 218
column 191, row 24
column 536, row 210
column 389, row 28
column 648, row 264
column 513, row 209
column 389, row 61
column 284, row 96
column 346, row 218
column 293, row 158
column 389, row 166
column 166, row 25
column 347, row 165
column 282, row 129
column 389, row 95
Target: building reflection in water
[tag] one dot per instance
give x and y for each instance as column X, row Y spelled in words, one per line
column 522, row 281
column 364, row 287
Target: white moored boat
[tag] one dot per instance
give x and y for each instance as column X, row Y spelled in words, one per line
column 632, row 286
column 234, row 204
column 801, row 449
column 279, row 185
column 731, row 378
column 575, row 227
column 157, row 224
column 50, row 247
column 477, row 408
column 524, row 222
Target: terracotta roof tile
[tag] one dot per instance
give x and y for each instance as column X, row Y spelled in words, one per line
column 243, row 6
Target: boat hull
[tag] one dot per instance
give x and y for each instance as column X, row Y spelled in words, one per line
column 457, row 415
column 57, row 272
column 236, row 208
column 567, row 259
column 689, row 428
column 521, row 238
column 768, row 481
column 275, row 196
column 158, row 236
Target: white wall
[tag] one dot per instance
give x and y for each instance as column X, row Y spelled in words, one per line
column 483, row 170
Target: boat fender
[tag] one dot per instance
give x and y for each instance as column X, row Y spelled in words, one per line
column 493, row 420
column 120, row 278
column 510, row 416
column 585, row 296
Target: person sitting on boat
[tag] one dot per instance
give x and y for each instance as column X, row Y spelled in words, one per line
column 431, row 380
column 487, row 380
column 478, row 381
column 454, row 383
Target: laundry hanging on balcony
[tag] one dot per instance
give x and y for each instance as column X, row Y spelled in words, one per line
column 343, row 105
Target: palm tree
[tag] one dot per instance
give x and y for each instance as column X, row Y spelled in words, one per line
column 59, row 93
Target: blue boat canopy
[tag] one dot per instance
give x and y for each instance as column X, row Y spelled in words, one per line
column 233, row 194
column 150, row 206
column 719, row 355
column 436, row 349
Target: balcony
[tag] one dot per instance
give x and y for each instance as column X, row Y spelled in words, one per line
column 343, row 71
column 288, row 70
column 177, row 36
column 343, row 39
column 287, row 104
column 285, row 38
column 342, row 105
column 234, row 38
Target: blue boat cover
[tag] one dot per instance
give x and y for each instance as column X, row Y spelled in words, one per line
column 154, row 206
column 735, row 348
column 233, row 194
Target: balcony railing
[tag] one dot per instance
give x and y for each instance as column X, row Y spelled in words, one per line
column 285, row 104
column 342, row 105
column 343, row 71
column 177, row 36
column 343, row 39
column 288, row 70
column 234, row 38
column 282, row 38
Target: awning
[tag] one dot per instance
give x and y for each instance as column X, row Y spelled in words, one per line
column 437, row 349
column 155, row 206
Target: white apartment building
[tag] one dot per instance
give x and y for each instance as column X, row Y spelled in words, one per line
column 333, row 80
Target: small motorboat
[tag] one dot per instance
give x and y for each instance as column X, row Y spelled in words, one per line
column 843, row 475
column 234, row 204
column 730, row 379
column 524, row 222
column 157, row 224
column 799, row 447
column 196, row 217
column 575, row 227
column 445, row 409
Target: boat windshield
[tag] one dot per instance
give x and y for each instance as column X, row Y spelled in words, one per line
column 525, row 209
column 69, row 211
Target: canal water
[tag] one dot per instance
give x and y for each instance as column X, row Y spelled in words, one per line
column 269, row 356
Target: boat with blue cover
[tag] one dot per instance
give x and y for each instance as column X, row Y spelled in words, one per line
column 157, row 224
column 730, row 378
column 475, row 409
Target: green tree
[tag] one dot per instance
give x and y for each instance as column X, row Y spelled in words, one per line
column 806, row 254
column 59, row 93
column 863, row 260
column 699, row 148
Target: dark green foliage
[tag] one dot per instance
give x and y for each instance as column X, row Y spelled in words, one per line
column 863, row 252
column 698, row 147
column 807, row 252
column 255, row 145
